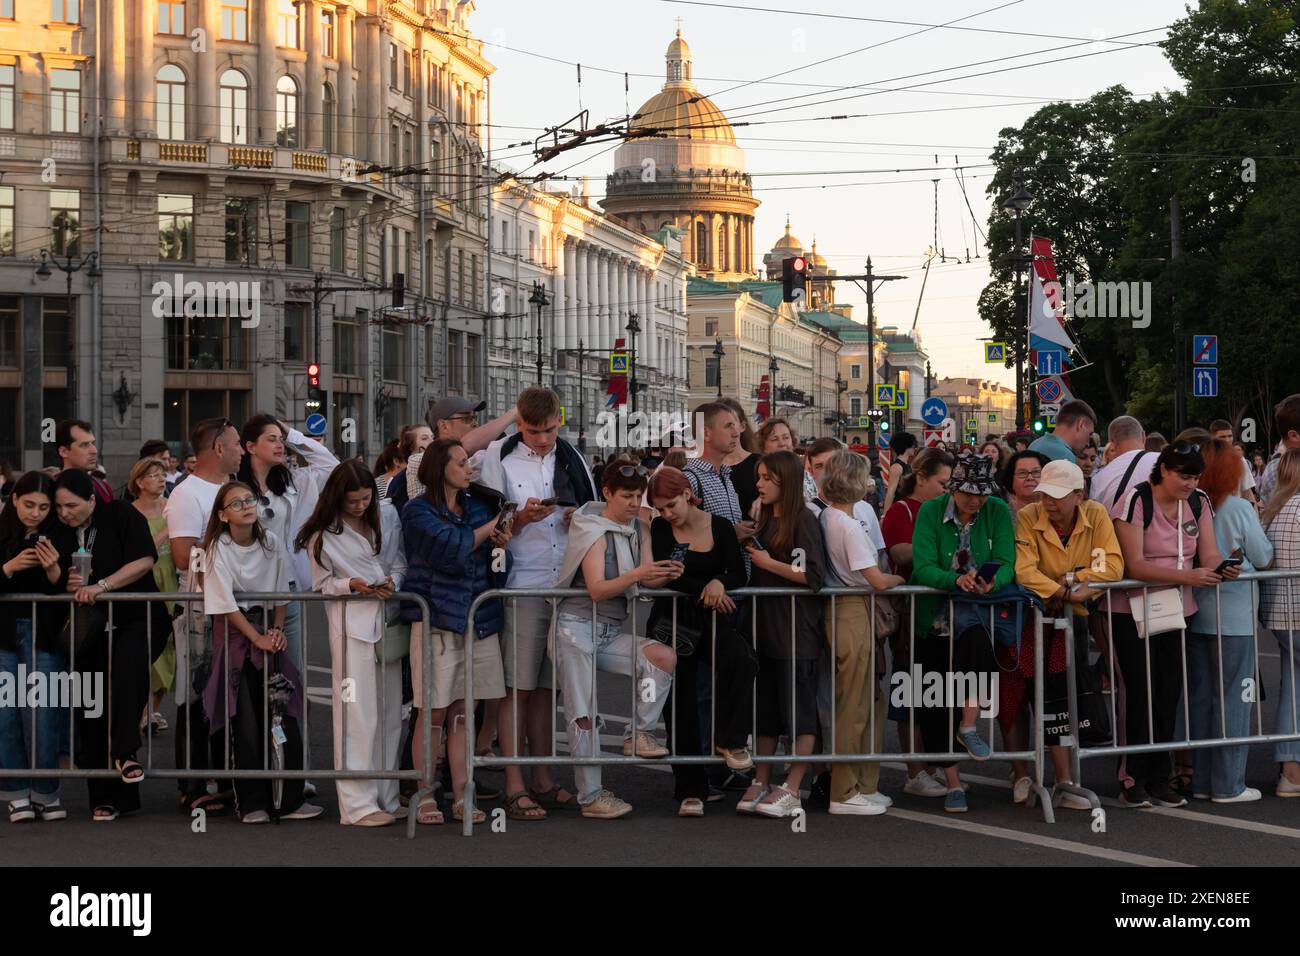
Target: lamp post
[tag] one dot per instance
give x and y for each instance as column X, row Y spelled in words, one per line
column 1019, row 200
column 633, row 327
column 772, row 369
column 539, row 299
column 69, row 266
column 841, row 386
column 718, row 353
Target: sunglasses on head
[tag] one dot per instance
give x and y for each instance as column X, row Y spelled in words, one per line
column 1187, row 448
column 627, row 471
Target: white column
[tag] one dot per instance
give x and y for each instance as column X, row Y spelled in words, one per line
column 595, row 334
column 644, row 285
column 623, row 305
column 373, row 103
column 345, row 88
column 115, row 79
column 602, row 300
column 146, row 23
column 567, row 260
column 312, row 99
column 267, row 74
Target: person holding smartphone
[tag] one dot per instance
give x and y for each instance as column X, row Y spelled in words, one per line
column 1218, row 666
column 709, row 555
column 31, row 564
column 354, row 542
column 955, row 535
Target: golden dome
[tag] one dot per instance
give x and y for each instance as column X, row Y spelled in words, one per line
column 678, row 49
column 788, row 243
column 817, row 259
column 684, row 113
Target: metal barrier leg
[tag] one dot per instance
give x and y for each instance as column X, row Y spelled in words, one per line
column 1075, row 786
column 1036, row 788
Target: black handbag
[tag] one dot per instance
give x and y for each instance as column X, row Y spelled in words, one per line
column 84, row 622
column 688, row 638
column 1094, row 714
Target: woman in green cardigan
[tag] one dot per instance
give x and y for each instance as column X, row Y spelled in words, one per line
column 956, row 534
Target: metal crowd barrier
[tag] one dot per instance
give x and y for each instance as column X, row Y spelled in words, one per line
column 1115, row 749
column 193, row 699
column 832, row 595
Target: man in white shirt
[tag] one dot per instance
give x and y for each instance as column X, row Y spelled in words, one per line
column 1129, row 465
column 543, row 474
column 454, row 417
column 188, row 509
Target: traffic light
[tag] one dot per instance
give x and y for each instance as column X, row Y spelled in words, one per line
column 1039, row 425
column 315, row 394
column 884, row 425
column 794, row 279
column 399, row 289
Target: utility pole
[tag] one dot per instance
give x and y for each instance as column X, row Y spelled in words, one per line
column 1180, row 354
column 871, row 279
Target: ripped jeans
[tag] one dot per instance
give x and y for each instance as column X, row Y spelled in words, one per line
column 611, row 651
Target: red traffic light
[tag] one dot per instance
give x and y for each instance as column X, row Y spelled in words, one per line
column 799, row 264
column 313, row 369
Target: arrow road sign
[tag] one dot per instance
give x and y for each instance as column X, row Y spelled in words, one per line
column 1205, row 383
column 315, row 424
column 1049, row 361
column 1205, row 349
column 934, row 411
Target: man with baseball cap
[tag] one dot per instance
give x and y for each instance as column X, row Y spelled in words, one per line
column 454, row 417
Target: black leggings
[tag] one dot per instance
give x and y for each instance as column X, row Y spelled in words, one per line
column 972, row 653
column 114, row 734
column 251, row 741
column 732, row 705
column 1149, row 769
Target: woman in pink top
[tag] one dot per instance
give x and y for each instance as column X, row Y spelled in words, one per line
column 1174, row 545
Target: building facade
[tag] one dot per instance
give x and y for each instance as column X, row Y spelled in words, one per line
column 598, row 279
column 686, row 171
column 989, row 406
column 202, row 197
column 757, row 331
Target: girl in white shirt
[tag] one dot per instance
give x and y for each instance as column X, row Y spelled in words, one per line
column 354, row 542
column 248, row 651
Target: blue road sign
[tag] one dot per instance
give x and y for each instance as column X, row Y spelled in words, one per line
column 934, row 411
column 995, row 351
column 1205, row 383
column 1205, row 349
column 885, row 395
column 900, row 398
column 1049, row 361
column 882, row 439
column 315, row 424
column 1049, row 390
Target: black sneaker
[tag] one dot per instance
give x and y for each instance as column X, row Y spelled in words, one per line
column 715, row 794
column 819, row 797
column 1136, row 797
column 1166, row 796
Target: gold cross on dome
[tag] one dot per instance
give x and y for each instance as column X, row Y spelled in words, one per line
column 679, row 26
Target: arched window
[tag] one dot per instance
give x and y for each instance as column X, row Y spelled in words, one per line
column 327, row 119
column 234, row 107
column 286, row 112
column 170, row 102
column 701, row 243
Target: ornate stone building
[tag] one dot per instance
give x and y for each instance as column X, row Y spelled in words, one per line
column 687, row 172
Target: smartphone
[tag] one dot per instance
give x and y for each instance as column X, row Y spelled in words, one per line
column 547, row 502
column 507, row 519
column 679, row 552
column 757, row 542
column 1231, row 562
column 988, row 570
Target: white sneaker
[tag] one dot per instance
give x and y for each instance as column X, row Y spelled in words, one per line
column 880, row 798
column 1285, row 788
column 646, row 746
column 924, row 785
column 860, row 804
column 1249, row 795
column 783, row 806
column 308, row 811
column 1020, row 790
column 257, row 816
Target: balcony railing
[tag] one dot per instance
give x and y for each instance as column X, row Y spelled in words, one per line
column 255, row 156
column 314, row 162
column 183, row 152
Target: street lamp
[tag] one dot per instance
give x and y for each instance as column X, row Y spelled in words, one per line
column 718, row 353
column 539, row 299
column 1015, row 204
column 841, row 387
column 772, row 369
column 69, row 267
column 633, row 327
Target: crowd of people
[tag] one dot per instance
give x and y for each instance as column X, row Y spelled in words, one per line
column 454, row 508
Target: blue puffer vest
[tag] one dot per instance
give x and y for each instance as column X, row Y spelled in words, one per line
column 444, row 566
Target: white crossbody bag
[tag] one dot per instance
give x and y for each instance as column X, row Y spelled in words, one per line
column 1158, row 612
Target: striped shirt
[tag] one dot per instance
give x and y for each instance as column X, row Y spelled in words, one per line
column 713, row 486
column 1279, row 598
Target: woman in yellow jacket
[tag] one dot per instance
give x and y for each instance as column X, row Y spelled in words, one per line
column 1064, row 544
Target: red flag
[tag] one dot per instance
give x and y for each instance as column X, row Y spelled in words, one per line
column 764, row 404
column 617, row 390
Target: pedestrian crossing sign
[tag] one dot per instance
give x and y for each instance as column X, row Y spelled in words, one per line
column 885, row 395
column 900, row 398
column 619, row 363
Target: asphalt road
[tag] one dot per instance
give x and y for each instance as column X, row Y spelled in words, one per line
column 915, row 832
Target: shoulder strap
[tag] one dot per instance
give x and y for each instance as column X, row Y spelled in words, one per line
column 1123, row 482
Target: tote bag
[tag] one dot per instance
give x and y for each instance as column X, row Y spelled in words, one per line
column 1159, row 612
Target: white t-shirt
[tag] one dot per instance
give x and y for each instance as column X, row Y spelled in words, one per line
column 866, row 516
column 1247, row 481
column 187, row 511
column 1105, row 483
column 232, row 567
column 848, row 546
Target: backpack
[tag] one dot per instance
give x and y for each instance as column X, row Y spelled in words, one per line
column 1143, row 491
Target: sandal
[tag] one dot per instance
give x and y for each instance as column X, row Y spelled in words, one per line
column 458, row 812
column 104, row 814
column 691, row 807
column 1181, row 783
column 21, row 811
column 427, row 812
column 209, row 803
column 554, row 799
column 130, row 770
column 516, row 812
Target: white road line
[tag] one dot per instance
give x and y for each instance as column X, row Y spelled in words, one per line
column 1034, row 839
